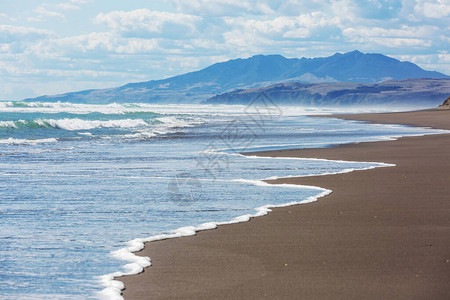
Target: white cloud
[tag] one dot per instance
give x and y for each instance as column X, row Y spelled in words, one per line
column 434, row 62
column 147, row 23
column 402, row 42
column 43, row 12
column 92, row 45
column 405, row 31
column 11, row 34
column 306, row 26
column 5, row 48
column 407, row 36
column 71, row 5
column 433, row 9
column 222, row 7
column 444, row 57
column 6, row 17
column 68, row 6
column 53, row 10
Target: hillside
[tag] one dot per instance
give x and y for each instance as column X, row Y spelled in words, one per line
column 409, row 92
column 446, row 104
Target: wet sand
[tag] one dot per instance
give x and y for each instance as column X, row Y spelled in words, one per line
column 382, row 233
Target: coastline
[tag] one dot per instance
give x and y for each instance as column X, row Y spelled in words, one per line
column 374, row 236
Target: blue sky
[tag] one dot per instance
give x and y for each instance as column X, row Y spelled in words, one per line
column 49, row 47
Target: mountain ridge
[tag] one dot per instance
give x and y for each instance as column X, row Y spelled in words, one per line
column 256, row 71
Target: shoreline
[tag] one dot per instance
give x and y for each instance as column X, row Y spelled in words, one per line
column 225, row 259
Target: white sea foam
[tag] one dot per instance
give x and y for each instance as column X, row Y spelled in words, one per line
column 36, row 296
column 57, row 107
column 13, row 141
column 173, row 122
column 189, row 109
column 122, row 108
column 112, row 288
column 78, row 124
column 164, row 125
column 143, row 134
column 8, row 124
column 282, row 147
column 377, row 164
column 140, row 129
column 85, row 133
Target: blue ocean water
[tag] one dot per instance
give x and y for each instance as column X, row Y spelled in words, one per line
column 80, row 181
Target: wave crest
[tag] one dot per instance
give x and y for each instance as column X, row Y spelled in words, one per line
column 74, row 124
column 13, row 141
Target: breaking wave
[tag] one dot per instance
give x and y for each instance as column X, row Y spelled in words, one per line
column 80, row 124
column 13, row 141
column 74, row 124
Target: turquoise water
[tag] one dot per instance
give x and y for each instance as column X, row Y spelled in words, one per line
column 80, row 181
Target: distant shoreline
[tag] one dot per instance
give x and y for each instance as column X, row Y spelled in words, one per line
column 381, row 234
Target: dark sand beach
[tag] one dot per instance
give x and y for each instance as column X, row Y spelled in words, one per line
column 382, row 233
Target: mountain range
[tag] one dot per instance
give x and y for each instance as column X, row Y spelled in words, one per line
column 253, row 72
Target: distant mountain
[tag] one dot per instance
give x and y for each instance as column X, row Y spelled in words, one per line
column 256, row 71
column 418, row 92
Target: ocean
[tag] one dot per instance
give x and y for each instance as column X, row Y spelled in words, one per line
column 82, row 185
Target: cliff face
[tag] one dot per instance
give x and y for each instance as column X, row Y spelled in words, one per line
column 446, row 104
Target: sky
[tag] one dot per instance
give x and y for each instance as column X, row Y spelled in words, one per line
column 50, row 47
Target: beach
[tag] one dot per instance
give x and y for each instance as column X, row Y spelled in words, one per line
column 381, row 234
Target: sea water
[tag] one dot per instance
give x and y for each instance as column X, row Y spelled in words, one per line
column 83, row 185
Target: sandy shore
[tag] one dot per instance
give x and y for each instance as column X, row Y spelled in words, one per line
column 381, row 234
